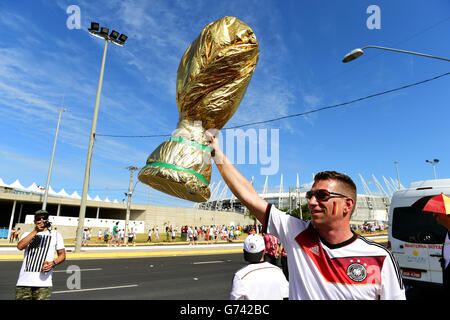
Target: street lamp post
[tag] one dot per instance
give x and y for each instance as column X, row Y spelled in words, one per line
column 127, row 217
column 398, row 176
column 356, row 53
column 433, row 163
column 114, row 38
column 47, row 185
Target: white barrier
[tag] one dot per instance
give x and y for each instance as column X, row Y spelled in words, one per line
column 138, row 226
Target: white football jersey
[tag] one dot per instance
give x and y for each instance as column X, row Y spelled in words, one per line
column 259, row 281
column 357, row 269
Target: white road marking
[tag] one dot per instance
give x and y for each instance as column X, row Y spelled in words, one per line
column 95, row 289
column 94, row 269
column 206, row 262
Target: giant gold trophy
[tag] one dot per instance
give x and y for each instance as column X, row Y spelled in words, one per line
column 212, row 78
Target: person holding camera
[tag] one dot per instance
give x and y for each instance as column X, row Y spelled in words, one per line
column 35, row 278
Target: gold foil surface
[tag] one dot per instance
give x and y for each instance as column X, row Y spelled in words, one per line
column 212, row 78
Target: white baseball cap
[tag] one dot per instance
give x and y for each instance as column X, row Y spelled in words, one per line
column 254, row 243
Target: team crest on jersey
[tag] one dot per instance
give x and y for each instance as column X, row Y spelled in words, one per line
column 357, row 272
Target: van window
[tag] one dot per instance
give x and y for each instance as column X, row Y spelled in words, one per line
column 410, row 224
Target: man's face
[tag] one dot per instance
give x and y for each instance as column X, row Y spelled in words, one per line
column 40, row 220
column 326, row 212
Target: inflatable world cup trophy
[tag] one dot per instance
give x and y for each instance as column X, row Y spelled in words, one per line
column 212, row 78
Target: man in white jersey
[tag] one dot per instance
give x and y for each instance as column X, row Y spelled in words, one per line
column 35, row 278
column 326, row 259
column 259, row 280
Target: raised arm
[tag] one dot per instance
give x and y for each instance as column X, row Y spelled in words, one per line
column 26, row 240
column 238, row 184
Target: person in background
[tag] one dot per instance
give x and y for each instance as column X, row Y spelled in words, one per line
column 115, row 235
column 259, row 280
column 444, row 220
column 18, row 234
column 149, row 239
column 106, row 237
column 272, row 249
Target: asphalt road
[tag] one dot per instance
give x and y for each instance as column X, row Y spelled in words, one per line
column 205, row 277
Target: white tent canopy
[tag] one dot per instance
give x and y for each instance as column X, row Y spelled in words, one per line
column 3, row 184
column 75, row 195
column 17, row 185
column 63, row 193
column 36, row 189
column 51, row 192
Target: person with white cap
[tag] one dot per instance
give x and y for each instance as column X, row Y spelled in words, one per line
column 259, row 280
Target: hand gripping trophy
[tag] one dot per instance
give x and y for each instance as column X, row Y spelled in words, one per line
column 212, row 78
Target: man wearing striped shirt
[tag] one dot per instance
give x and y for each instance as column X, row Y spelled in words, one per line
column 41, row 244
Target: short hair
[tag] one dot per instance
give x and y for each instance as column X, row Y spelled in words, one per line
column 253, row 257
column 346, row 183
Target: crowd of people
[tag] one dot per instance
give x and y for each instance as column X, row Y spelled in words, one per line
column 15, row 235
column 114, row 237
column 192, row 234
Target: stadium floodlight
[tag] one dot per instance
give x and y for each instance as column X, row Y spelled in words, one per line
column 103, row 33
column 120, row 41
column 114, row 34
column 104, row 30
column 94, row 27
column 123, row 38
column 356, row 53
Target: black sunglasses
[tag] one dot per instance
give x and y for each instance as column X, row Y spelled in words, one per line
column 323, row 194
column 40, row 218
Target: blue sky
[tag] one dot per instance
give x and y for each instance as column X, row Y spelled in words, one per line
column 45, row 65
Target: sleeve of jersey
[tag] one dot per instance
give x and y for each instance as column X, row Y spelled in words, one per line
column 391, row 282
column 281, row 224
column 23, row 236
column 59, row 241
column 238, row 291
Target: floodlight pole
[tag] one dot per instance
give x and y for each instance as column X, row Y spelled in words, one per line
column 47, row 185
column 89, row 157
column 398, row 176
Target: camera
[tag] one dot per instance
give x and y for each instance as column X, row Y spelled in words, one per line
column 47, row 224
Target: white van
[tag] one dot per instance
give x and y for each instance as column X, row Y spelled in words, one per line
column 415, row 238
